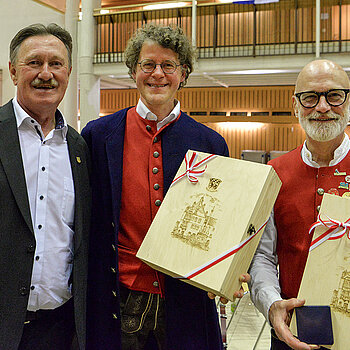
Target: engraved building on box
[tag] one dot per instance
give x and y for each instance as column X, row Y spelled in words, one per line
column 197, row 224
column 341, row 296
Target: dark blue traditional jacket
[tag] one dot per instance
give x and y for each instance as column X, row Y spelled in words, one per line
column 192, row 321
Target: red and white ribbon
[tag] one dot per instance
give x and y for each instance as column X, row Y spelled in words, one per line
column 336, row 230
column 191, row 167
column 221, row 257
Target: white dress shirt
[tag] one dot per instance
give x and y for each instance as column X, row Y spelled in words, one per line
column 264, row 286
column 145, row 113
column 50, row 190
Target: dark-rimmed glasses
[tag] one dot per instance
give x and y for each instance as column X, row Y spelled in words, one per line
column 168, row 67
column 334, row 97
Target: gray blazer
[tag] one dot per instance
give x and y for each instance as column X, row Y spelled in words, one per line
column 17, row 241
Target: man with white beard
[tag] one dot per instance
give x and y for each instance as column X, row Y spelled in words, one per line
column 318, row 166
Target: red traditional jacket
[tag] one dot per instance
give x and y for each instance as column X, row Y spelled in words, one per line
column 296, row 209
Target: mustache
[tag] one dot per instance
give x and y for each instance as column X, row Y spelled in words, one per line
column 39, row 83
column 330, row 114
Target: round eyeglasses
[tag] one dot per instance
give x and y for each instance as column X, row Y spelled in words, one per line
column 168, row 67
column 334, row 97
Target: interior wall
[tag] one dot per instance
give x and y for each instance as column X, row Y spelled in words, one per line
column 267, row 132
column 233, row 99
column 14, row 15
column 264, row 132
column 259, row 136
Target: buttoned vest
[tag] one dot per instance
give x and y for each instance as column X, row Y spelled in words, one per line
column 142, row 194
column 296, row 209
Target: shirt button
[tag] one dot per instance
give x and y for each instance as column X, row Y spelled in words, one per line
column 155, row 170
column 32, row 287
column 158, row 202
column 155, row 284
column 37, row 258
column 155, row 154
column 40, row 227
column 113, row 224
column 318, row 208
column 115, row 316
column 31, row 248
column 148, row 127
column 155, row 139
column 156, row 186
column 113, row 247
column 41, row 197
column 320, row 191
column 114, row 293
column 113, row 270
column 43, row 168
column 23, row 290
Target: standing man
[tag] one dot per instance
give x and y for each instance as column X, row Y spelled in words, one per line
column 321, row 103
column 135, row 155
column 44, row 200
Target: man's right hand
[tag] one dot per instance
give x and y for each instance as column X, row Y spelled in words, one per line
column 279, row 315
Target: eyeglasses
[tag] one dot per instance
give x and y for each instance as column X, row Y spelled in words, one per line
column 168, row 67
column 334, row 97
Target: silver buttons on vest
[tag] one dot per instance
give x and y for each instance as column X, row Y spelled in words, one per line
column 320, row 191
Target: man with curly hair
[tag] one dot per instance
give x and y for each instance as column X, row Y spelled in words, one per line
column 136, row 153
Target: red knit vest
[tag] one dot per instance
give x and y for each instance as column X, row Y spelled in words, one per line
column 142, row 193
column 296, row 209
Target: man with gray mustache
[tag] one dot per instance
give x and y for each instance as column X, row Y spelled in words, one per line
column 44, row 201
column 321, row 104
column 49, row 84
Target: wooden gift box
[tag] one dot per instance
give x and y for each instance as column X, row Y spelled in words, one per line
column 197, row 222
column 326, row 278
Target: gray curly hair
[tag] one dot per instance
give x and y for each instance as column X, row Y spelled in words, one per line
column 168, row 37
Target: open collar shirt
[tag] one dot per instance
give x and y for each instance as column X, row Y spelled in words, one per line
column 51, row 197
column 145, row 113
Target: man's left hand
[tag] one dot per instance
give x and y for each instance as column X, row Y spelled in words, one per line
column 237, row 294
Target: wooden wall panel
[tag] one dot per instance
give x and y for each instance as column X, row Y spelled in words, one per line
column 264, row 98
column 227, row 25
column 59, row 5
column 259, row 136
column 268, row 136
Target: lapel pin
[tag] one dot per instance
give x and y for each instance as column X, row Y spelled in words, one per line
column 344, row 185
column 339, row 173
column 78, row 160
column 333, row 191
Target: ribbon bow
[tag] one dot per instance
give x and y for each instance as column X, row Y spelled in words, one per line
column 191, row 167
column 336, row 230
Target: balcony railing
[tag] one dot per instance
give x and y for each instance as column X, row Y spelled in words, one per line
column 236, row 30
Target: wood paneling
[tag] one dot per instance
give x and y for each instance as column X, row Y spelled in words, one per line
column 226, row 26
column 232, row 99
column 259, row 136
column 268, row 133
column 59, row 5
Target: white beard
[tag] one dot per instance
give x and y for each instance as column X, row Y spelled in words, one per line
column 323, row 131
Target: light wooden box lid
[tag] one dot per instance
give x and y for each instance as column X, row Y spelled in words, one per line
column 326, row 278
column 198, row 222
